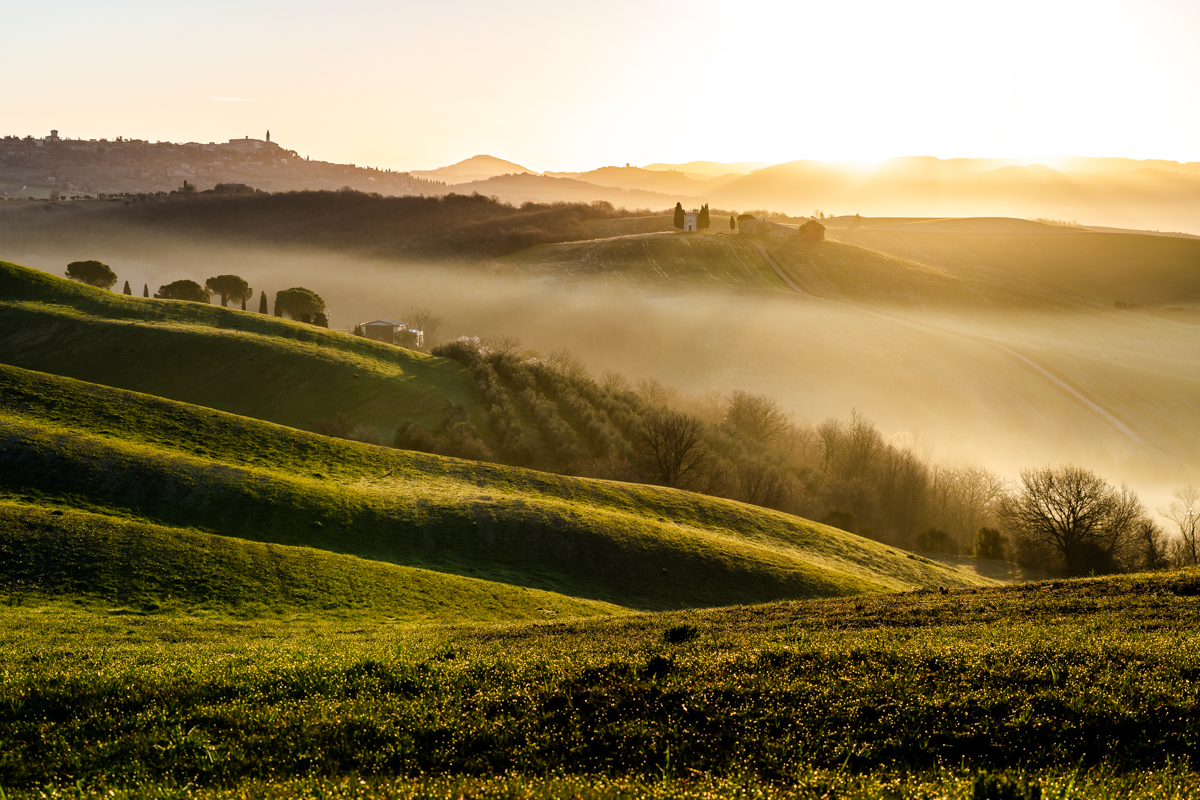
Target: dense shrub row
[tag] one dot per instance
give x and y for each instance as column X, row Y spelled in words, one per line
column 451, row 226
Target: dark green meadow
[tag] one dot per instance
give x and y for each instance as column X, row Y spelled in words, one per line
column 237, row 361
column 1087, row 687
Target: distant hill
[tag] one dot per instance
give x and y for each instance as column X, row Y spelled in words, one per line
column 640, row 179
column 930, row 187
column 528, row 188
column 709, row 169
column 475, row 168
column 1103, row 267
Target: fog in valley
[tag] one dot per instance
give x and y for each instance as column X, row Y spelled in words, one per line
column 1104, row 390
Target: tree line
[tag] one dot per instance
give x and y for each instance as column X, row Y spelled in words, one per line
column 450, row 226
column 297, row 303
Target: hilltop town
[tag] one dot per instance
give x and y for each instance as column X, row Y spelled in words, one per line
column 54, row 166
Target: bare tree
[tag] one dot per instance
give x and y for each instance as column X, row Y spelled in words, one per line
column 422, row 318
column 1152, row 545
column 1184, row 512
column 613, row 381
column 831, row 433
column 500, row 344
column 672, row 449
column 1076, row 515
column 761, row 484
column 757, row 416
column 861, row 446
column 656, row 393
column 566, row 362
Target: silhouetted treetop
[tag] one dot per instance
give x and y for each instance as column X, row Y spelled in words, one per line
column 93, row 273
column 184, row 290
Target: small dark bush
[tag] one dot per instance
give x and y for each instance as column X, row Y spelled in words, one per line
column 658, row 667
column 1002, row 787
column 461, row 441
column 411, row 436
column 678, row 634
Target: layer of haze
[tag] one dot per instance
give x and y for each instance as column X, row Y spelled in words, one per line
column 571, row 86
column 943, row 379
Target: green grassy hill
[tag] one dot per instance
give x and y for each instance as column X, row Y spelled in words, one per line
column 113, row 452
column 832, row 270
column 245, row 363
column 653, row 257
column 60, row 552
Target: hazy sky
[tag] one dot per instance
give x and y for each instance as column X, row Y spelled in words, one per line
column 556, row 85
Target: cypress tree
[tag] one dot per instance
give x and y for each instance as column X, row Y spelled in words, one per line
column 679, row 216
column 702, row 220
column 732, row 224
column 145, row 290
column 262, row 302
column 127, row 290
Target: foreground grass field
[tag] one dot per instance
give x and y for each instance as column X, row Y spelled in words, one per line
column 252, row 364
column 1079, row 688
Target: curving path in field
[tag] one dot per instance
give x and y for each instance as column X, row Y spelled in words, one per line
column 1058, row 382
column 780, row 272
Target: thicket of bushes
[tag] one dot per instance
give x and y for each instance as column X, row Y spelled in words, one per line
column 451, row 226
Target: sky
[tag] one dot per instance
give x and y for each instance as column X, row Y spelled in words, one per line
column 574, row 86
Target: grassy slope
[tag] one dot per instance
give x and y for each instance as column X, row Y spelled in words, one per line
column 850, row 698
column 628, row 226
column 58, row 552
column 236, row 361
column 1104, row 267
column 829, row 269
column 116, row 452
column 661, row 257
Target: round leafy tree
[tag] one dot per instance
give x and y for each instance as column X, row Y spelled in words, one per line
column 812, row 231
column 302, row 305
column 230, row 287
column 184, row 290
column 93, row 273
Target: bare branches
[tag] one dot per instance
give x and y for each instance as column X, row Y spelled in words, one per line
column 1075, row 514
column 1184, row 512
column 422, row 318
column 672, row 449
column 757, row 416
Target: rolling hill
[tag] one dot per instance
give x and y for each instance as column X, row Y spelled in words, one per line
column 1104, row 267
column 665, row 182
column 529, row 188
column 54, row 551
column 246, row 363
column 112, row 452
